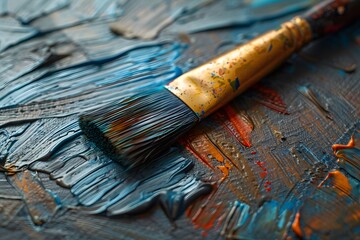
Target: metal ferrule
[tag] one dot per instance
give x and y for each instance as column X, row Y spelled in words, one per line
column 210, row 86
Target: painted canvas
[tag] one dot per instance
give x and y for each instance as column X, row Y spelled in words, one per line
column 281, row 161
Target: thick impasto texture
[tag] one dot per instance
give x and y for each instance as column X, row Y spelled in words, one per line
column 279, row 162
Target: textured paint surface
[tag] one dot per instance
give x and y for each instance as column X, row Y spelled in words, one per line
column 12, row 32
column 330, row 207
column 239, row 124
column 349, row 155
column 270, row 98
column 262, row 167
column 153, row 17
column 269, row 221
column 27, row 10
column 40, row 203
column 235, row 13
column 314, row 98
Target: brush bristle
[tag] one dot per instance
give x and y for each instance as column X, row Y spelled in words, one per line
column 139, row 128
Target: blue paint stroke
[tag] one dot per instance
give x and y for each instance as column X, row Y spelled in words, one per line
column 235, row 84
column 13, row 32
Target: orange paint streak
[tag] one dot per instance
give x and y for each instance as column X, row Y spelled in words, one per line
column 9, row 169
column 204, row 146
column 188, row 147
column 339, row 181
column 207, row 152
column 225, row 170
column 296, row 226
column 206, row 219
column 39, row 202
column 337, row 147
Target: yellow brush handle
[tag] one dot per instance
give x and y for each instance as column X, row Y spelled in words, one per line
column 210, row 86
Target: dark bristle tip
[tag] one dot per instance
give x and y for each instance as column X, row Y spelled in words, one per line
column 139, row 128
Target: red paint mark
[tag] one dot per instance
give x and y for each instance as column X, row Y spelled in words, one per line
column 204, row 214
column 241, row 123
column 270, row 98
column 213, row 218
column 206, row 219
column 237, row 124
column 296, row 226
column 253, row 153
column 261, row 165
column 267, row 185
column 263, row 174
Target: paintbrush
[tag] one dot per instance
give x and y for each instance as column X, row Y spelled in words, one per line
column 139, row 128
